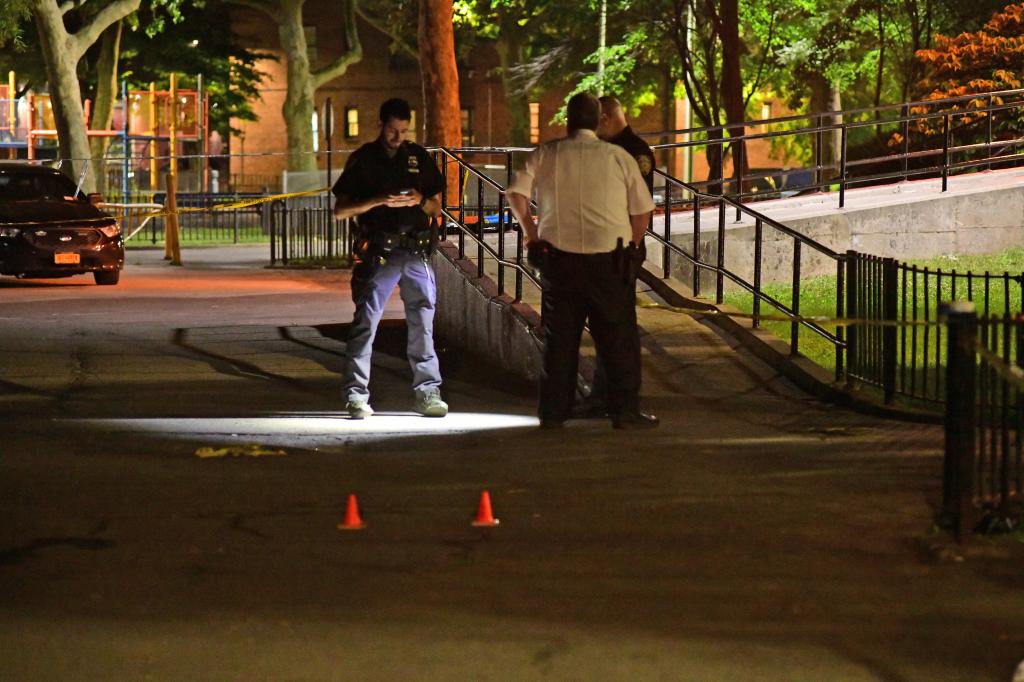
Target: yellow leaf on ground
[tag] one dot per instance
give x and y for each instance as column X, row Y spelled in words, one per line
column 247, row 450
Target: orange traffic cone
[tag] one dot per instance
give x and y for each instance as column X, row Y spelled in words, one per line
column 484, row 515
column 352, row 520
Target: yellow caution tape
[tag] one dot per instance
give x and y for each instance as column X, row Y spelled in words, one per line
column 244, row 203
column 815, row 319
column 248, row 450
column 1011, row 373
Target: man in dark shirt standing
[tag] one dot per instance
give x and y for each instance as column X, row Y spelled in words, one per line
column 613, row 128
column 394, row 188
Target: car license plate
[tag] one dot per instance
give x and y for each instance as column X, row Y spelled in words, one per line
column 67, row 258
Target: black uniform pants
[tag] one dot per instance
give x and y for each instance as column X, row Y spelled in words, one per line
column 588, row 287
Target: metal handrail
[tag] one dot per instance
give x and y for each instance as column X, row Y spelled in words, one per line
column 515, row 265
column 723, row 272
column 844, row 113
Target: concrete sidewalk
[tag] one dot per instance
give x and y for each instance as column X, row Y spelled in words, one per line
column 758, row 535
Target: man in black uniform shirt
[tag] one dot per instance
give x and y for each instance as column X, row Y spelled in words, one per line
column 613, row 128
column 394, row 188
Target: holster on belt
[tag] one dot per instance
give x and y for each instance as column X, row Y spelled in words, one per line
column 627, row 260
column 538, row 255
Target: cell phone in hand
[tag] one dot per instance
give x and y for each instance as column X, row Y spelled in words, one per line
column 405, row 192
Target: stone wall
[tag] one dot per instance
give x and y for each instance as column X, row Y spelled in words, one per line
column 472, row 316
column 919, row 227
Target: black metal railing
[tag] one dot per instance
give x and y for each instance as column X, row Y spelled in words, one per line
column 304, row 230
column 983, row 474
column 903, row 353
column 715, row 264
column 209, row 218
column 479, row 213
column 933, row 138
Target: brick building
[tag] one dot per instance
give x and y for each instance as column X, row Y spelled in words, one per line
column 356, row 97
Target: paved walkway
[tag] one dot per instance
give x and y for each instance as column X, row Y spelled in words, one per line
column 758, row 535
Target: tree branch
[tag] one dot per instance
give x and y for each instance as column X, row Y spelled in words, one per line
column 379, row 26
column 69, row 5
column 91, row 31
column 270, row 9
column 352, row 54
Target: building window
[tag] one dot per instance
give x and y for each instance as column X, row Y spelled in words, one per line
column 412, row 126
column 351, row 122
column 311, row 51
column 468, row 139
column 766, row 110
column 534, row 122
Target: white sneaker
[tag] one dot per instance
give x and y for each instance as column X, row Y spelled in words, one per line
column 358, row 409
column 431, row 405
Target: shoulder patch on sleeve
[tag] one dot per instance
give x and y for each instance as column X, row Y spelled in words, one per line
column 644, row 162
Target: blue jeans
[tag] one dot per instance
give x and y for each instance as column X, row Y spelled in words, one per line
column 372, row 285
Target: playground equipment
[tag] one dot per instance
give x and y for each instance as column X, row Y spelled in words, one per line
column 148, row 133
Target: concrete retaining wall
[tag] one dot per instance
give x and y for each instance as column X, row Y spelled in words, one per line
column 905, row 228
column 473, row 317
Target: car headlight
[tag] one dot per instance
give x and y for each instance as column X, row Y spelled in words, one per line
column 111, row 230
column 9, row 232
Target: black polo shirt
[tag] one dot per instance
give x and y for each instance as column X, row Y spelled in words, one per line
column 370, row 172
column 640, row 151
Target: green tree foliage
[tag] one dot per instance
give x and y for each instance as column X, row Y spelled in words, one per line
column 192, row 41
column 13, row 15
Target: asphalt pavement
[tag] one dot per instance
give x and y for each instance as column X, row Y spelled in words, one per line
column 759, row 534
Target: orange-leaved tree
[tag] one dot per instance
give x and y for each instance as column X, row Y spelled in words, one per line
column 988, row 60
column 985, row 61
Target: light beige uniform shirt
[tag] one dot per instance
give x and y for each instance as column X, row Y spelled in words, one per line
column 586, row 191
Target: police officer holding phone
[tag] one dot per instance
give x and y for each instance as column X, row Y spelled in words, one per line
column 393, row 188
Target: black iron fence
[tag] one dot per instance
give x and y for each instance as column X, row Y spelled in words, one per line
column 903, row 352
column 983, row 474
column 932, row 138
column 203, row 218
column 304, row 231
column 478, row 218
column 708, row 261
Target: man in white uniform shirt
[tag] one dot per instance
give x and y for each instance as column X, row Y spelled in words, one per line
column 592, row 201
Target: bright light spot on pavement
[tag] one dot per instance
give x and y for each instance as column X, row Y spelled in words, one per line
column 301, row 430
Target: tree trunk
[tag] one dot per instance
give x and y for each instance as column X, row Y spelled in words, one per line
column 517, row 104
column 836, row 104
column 439, row 74
column 299, row 102
column 60, row 54
column 732, row 83
column 106, row 94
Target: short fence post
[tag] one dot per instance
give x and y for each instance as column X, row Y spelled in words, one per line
column 285, row 229
column 666, row 262
column 720, row 280
column 988, row 132
column 819, row 154
column 890, row 310
column 842, row 167
column 905, row 127
column 961, row 417
column 852, row 313
column 945, row 152
column 273, row 233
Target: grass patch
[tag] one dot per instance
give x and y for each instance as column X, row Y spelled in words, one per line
column 818, row 298
column 141, row 241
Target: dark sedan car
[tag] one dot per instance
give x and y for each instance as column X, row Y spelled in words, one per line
column 49, row 229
